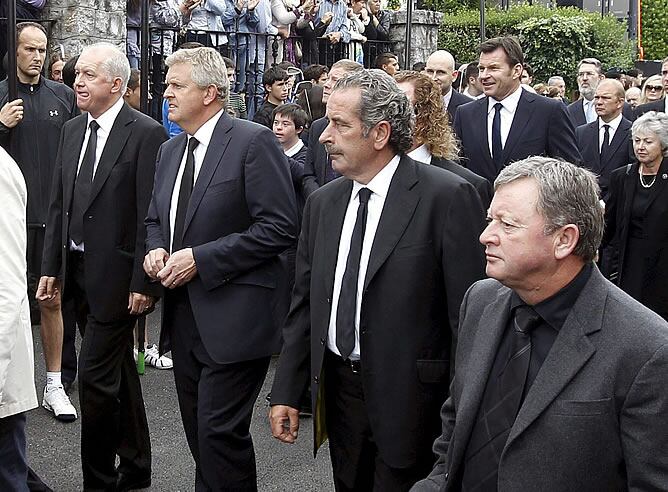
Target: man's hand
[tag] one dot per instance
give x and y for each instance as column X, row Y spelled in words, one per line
column 327, row 18
column 139, row 303
column 252, row 4
column 47, row 290
column 154, row 261
column 179, row 269
column 11, row 113
column 334, row 37
column 284, row 422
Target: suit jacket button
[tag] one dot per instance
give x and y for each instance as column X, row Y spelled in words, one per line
column 329, row 301
column 322, row 341
column 90, row 216
column 316, row 379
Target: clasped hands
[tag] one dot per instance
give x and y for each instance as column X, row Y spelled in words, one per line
column 172, row 270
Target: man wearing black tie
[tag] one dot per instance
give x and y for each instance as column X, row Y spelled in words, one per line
column 510, row 123
column 222, row 210
column 384, row 258
column 605, row 144
column 94, row 248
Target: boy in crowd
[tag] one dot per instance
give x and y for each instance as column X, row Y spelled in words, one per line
column 274, row 81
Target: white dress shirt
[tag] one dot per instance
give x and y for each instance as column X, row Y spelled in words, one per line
column 421, row 154
column 614, row 124
column 203, row 136
column 379, row 186
column 507, row 115
column 446, row 99
column 106, row 122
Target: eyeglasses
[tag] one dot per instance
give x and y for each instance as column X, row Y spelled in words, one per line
column 654, row 87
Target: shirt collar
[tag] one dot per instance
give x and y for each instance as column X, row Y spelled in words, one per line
column 446, row 98
column 421, row 154
column 295, row 148
column 205, row 132
column 555, row 309
column 380, row 184
column 106, row 119
column 613, row 124
column 510, row 102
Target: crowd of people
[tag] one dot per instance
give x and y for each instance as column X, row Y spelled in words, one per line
column 464, row 275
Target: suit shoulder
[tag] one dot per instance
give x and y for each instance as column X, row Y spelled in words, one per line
column 482, row 292
column 143, row 119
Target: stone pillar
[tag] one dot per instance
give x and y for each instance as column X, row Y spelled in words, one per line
column 424, row 35
column 83, row 22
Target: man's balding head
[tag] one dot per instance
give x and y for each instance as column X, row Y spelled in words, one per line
column 441, row 67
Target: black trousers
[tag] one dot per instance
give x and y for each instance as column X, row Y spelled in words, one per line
column 113, row 419
column 216, row 402
column 356, row 463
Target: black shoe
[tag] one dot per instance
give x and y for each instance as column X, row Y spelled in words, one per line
column 127, row 481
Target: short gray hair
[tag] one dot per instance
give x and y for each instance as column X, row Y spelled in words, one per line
column 208, row 68
column 656, row 123
column 382, row 100
column 567, row 194
column 115, row 65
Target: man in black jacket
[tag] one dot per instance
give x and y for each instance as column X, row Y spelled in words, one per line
column 29, row 131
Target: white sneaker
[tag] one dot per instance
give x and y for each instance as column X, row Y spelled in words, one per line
column 153, row 358
column 56, row 400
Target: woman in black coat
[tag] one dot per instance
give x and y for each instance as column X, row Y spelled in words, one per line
column 636, row 215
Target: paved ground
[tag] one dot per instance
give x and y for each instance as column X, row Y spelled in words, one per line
column 53, row 447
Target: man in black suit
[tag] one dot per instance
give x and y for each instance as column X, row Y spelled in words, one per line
column 318, row 165
column 94, row 247
column 583, row 111
column 559, row 375
column 605, row 144
column 223, row 209
column 662, row 104
column 440, row 66
column 384, row 257
column 510, row 123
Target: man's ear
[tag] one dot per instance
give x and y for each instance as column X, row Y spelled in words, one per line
column 565, row 241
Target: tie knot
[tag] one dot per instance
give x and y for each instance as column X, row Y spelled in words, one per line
column 363, row 194
column 526, row 319
column 498, row 107
column 94, row 125
column 192, row 143
column 606, row 127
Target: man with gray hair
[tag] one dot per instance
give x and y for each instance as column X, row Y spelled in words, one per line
column 385, row 255
column 222, row 210
column 559, row 375
column 93, row 253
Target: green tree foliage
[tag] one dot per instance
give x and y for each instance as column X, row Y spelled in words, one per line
column 554, row 40
column 654, row 32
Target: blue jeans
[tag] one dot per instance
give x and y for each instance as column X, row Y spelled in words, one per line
column 13, row 463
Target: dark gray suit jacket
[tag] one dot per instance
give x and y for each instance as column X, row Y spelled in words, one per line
column 659, row 106
column 596, row 415
column 242, row 214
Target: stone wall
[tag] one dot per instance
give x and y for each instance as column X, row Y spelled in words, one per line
column 83, row 22
column 424, row 35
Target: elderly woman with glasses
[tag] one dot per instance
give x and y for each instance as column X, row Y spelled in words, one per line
column 636, row 215
column 652, row 90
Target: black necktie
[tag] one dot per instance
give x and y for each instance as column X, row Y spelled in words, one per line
column 501, row 402
column 185, row 190
column 605, row 146
column 347, row 307
column 497, row 148
column 83, row 185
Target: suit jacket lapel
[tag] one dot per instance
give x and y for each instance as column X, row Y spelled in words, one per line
column 71, row 151
column 171, row 171
column 399, row 207
column 621, row 135
column 332, row 218
column 571, row 350
column 214, row 155
column 491, row 327
column 482, row 130
column 592, row 139
column 629, row 185
column 520, row 121
column 118, row 135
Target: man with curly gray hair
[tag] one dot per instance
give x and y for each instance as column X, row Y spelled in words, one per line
column 385, row 256
column 556, row 368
